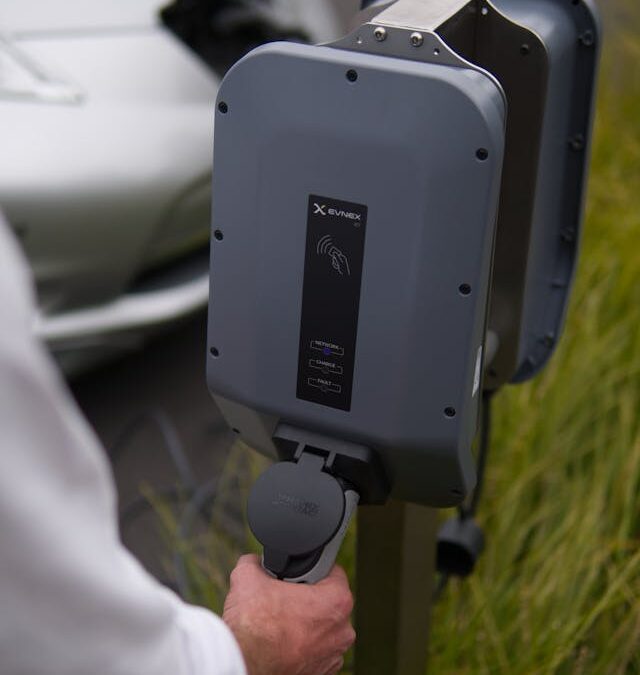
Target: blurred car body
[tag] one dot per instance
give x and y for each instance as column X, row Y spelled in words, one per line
column 106, row 128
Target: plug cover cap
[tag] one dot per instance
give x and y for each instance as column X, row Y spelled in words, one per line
column 296, row 508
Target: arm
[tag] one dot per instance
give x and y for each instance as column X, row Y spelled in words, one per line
column 74, row 601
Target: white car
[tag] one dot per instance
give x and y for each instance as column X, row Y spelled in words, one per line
column 106, row 126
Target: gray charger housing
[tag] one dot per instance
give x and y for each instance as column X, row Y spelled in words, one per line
column 402, row 141
column 356, row 194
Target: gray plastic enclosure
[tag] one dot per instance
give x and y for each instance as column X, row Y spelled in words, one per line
column 354, row 208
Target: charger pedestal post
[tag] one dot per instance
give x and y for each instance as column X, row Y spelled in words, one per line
column 395, row 571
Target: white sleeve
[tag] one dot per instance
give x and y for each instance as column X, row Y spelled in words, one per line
column 73, row 601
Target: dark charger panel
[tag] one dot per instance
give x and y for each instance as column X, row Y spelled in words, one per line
column 311, row 286
column 330, row 300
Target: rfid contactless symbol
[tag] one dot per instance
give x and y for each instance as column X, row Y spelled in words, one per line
column 339, row 260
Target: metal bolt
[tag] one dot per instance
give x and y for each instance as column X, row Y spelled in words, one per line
column 577, row 142
column 380, row 34
column 587, row 38
column 416, row 39
column 548, row 340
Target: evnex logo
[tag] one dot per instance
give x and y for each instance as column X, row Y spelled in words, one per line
column 322, row 210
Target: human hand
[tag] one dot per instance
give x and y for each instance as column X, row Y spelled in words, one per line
column 289, row 629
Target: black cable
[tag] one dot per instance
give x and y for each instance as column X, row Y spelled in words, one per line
column 200, row 498
column 187, row 487
column 200, row 504
column 469, row 510
column 171, row 440
column 440, row 587
column 141, row 504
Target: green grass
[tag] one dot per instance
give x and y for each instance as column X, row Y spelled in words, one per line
column 558, row 587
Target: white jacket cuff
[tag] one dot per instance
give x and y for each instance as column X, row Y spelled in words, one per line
column 210, row 646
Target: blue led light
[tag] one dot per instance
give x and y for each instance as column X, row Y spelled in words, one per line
column 326, row 351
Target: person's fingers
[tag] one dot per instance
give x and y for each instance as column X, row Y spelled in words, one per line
column 335, row 582
column 247, row 569
column 250, row 560
column 337, row 574
column 334, row 590
column 349, row 638
column 334, row 667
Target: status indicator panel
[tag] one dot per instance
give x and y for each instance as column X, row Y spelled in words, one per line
column 330, row 301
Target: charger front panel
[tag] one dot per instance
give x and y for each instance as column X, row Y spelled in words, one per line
column 354, row 198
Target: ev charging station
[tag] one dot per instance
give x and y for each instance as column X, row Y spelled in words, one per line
column 396, row 220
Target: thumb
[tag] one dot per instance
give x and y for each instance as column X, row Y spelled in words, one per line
column 247, row 569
